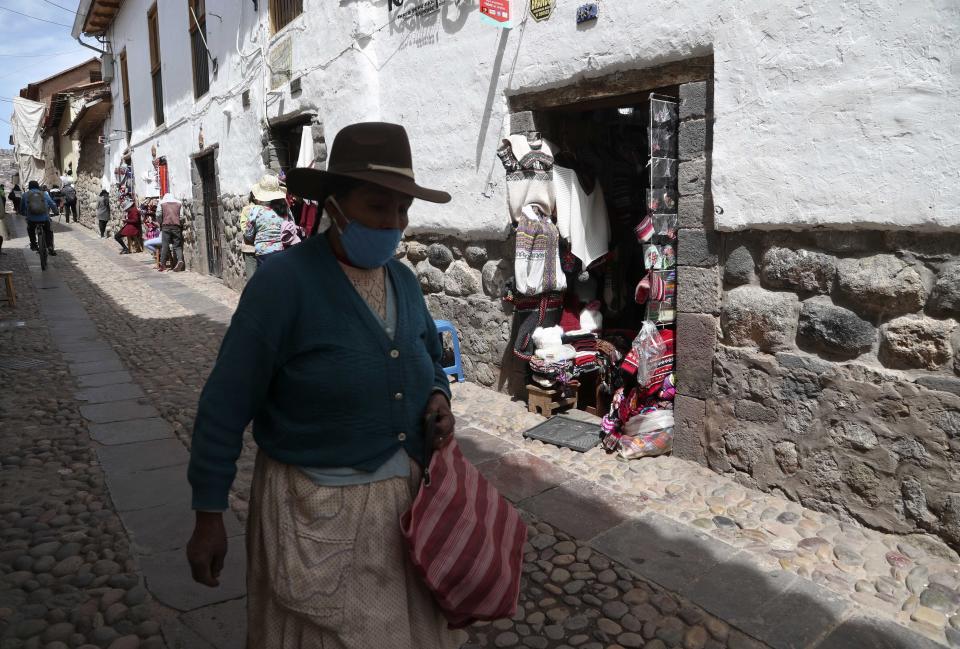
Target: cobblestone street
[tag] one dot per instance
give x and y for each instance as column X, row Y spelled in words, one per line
column 102, row 362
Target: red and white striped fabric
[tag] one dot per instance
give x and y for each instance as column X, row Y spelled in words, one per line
column 465, row 541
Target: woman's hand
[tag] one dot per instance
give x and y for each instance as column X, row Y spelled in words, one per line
column 207, row 548
column 445, row 423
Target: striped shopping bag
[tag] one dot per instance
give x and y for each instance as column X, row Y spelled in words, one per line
column 465, row 541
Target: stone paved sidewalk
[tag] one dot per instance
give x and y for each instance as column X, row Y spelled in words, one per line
column 68, row 575
column 656, row 553
column 795, row 568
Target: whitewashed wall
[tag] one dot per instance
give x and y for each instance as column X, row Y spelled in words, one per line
column 826, row 113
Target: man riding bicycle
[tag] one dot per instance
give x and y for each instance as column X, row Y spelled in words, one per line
column 35, row 205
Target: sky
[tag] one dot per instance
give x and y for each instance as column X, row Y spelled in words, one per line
column 48, row 49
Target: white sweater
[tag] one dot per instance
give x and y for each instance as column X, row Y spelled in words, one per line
column 581, row 217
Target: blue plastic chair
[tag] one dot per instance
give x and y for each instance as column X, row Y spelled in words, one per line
column 457, row 367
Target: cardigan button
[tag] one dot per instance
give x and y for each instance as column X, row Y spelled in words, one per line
column 394, row 353
column 398, row 396
column 402, row 437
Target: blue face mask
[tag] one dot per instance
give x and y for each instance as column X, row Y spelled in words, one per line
column 366, row 247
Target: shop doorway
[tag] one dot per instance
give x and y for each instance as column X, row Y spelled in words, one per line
column 626, row 149
column 610, row 149
column 213, row 225
column 285, row 136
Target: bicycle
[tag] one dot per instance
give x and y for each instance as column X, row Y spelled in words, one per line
column 42, row 247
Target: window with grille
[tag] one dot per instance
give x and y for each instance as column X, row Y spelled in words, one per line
column 125, row 93
column 282, row 12
column 153, row 31
column 198, row 47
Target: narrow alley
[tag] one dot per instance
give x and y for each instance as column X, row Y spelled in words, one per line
column 99, row 397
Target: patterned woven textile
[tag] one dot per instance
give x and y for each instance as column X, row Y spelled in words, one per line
column 466, row 541
column 327, row 566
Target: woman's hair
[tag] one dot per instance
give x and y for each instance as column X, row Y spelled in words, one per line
column 104, row 192
column 339, row 187
column 279, row 206
column 251, row 198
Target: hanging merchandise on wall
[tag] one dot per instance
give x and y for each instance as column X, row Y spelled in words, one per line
column 496, row 12
column 587, row 12
column 124, row 175
column 595, row 281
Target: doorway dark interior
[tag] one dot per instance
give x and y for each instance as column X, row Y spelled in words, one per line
column 213, row 226
column 625, row 147
column 285, row 140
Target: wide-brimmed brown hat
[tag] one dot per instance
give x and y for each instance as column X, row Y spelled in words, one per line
column 376, row 152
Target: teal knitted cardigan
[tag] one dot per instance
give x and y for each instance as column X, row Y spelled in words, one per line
column 305, row 359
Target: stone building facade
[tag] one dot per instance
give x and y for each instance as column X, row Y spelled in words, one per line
column 817, row 254
column 820, row 364
column 463, row 282
column 88, row 185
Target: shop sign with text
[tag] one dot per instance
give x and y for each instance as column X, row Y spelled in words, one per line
column 496, row 12
column 541, row 9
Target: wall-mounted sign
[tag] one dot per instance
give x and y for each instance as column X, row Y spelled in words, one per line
column 542, row 9
column 496, row 12
column 587, row 12
column 420, row 10
column 281, row 63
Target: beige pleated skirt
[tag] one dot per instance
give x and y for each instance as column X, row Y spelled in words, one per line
column 327, row 567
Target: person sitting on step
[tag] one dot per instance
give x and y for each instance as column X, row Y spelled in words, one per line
column 131, row 225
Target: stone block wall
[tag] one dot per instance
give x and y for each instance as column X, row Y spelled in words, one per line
column 822, row 365
column 836, row 379
column 89, row 170
column 463, row 283
column 234, row 274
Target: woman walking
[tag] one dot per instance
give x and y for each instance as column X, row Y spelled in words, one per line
column 334, row 357
column 103, row 212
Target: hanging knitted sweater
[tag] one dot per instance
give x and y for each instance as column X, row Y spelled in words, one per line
column 537, row 265
column 529, row 166
column 581, row 217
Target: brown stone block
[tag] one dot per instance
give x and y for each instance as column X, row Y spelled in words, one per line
column 692, row 177
column 688, row 430
column 698, row 290
column 695, row 349
column 697, row 248
column 692, row 139
column 695, row 213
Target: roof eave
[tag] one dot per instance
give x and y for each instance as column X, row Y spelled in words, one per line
column 95, row 16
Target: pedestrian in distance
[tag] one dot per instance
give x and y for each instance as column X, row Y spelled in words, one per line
column 103, row 212
column 247, row 249
column 69, row 193
column 131, row 225
column 335, row 358
column 15, row 195
column 171, row 233
column 36, row 206
column 57, row 199
column 151, row 235
column 265, row 220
